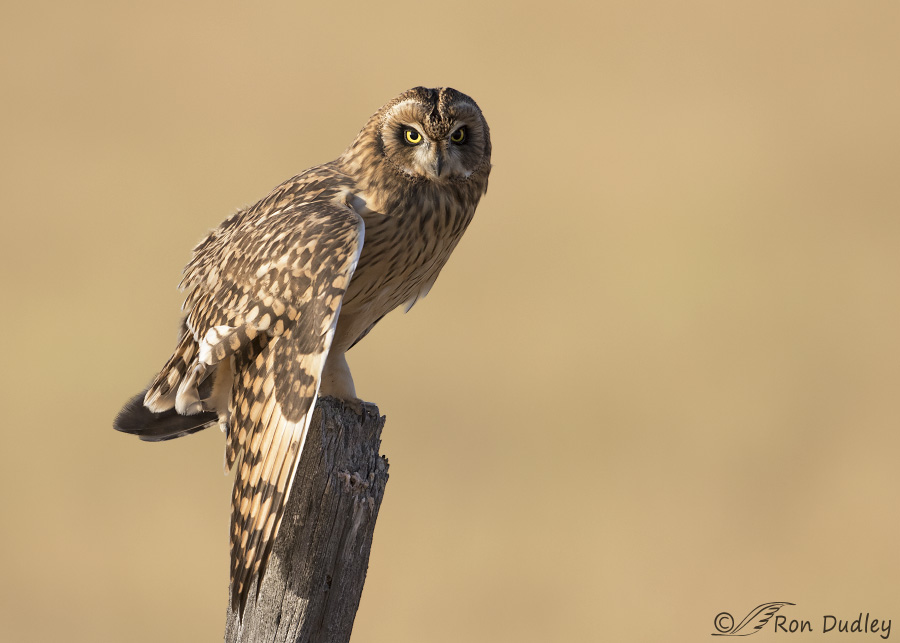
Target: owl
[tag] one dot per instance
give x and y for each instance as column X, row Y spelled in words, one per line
column 281, row 290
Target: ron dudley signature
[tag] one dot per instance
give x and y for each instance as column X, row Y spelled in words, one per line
column 862, row 625
column 761, row 616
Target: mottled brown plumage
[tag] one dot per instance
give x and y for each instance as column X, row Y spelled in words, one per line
column 281, row 290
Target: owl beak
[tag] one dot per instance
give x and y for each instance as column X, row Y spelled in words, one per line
column 438, row 165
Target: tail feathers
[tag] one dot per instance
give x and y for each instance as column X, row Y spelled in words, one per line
column 137, row 419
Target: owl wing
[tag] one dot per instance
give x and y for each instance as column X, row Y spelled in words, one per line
column 269, row 294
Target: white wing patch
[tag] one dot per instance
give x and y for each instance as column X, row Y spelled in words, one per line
column 210, row 340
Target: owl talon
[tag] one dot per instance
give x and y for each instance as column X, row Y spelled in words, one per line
column 361, row 408
column 358, row 406
column 364, row 409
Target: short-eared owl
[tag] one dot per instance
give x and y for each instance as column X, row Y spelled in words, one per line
column 281, row 290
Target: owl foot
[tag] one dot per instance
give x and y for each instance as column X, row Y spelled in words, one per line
column 365, row 409
column 358, row 406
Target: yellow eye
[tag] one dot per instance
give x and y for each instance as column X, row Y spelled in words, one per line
column 412, row 136
column 458, row 136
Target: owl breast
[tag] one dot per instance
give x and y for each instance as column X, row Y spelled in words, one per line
column 403, row 253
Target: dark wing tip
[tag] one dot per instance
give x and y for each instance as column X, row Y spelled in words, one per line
column 137, row 419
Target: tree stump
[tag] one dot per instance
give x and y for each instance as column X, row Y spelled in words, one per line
column 314, row 579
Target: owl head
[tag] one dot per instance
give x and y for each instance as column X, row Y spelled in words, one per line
column 434, row 134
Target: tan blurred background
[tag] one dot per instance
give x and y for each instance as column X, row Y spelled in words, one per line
column 658, row 379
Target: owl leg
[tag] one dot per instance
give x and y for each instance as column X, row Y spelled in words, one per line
column 336, row 379
column 337, row 382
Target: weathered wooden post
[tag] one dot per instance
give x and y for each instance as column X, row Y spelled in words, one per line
column 314, row 579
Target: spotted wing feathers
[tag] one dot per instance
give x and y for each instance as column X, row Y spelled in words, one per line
column 160, row 396
column 263, row 295
column 266, row 300
column 274, row 397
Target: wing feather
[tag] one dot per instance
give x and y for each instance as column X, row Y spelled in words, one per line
column 266, row 293
column 263, row 295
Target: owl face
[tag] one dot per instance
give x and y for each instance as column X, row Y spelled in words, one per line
column 435, row 134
